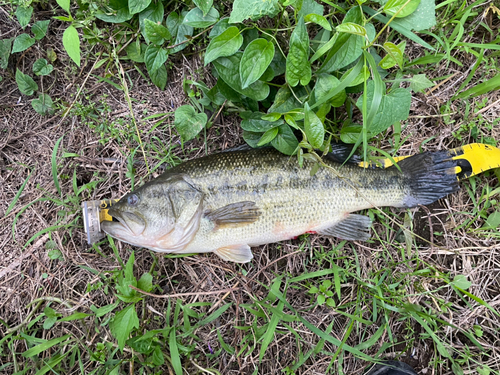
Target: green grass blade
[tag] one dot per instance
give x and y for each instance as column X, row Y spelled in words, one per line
column 54, row 165
column 221, row 310
column 44, row 346
column 174, row 353
column 20, row 191
column 482, row 88
column 271, row 328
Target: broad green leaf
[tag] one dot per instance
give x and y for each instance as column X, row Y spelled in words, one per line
column 219, row 27
column 325, row 83
column 154, row 12
column 492, row 222
column 137, row 6
column 204, row 5
column 255, row 60
column 285, row 141
column 43, row 105
column 116, row 12
column 5, row 45
column 41, row 67
column 154, row 57
column 350, row 133
column 157, row 357
column 318, row 20
column 155, row 32
column 268, row 136
column 423, row 18
column 346, row 47
column 123, row 324
column 251, row 138
column 284, row 101
column 24, row 15
column 196, row 19
column 71, row 43
column 181, row 31
column 223, row 45
column 25, row 83
column 393, row 107
column 419, row 82
column 228, row 69
column 482, row 88
column 351, row 28
column 189, row 123
column 394, row 55
column 309, row 7
column 145, row 282
column 44, row 346
column 255, row 123
column 461, row 282
column 362, row 76
column 313, row 127
column 39, row 29
column 136, row 51
column 298, row 68
column 22, row 43
column 393, row 6
column 253, row 9
column 64, row 4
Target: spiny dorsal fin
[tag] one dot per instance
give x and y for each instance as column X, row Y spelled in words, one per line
column 234, row 214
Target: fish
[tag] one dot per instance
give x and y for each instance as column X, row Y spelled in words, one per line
column 229, row 202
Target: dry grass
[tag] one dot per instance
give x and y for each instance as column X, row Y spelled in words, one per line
column 30, row 280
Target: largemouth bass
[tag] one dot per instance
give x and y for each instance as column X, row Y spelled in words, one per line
column 227, row 203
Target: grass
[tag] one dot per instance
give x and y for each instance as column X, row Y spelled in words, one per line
column 311, row 305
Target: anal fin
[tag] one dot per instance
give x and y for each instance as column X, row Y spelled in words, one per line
column 353, row 227
column 235, row 253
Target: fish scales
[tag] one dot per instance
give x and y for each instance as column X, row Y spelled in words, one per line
column 253, row 197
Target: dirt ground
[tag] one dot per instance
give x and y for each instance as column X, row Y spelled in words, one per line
column 44, row 219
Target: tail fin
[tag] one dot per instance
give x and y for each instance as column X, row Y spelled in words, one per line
column 429, row 176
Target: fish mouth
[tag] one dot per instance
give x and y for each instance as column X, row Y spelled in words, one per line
column 124, row 224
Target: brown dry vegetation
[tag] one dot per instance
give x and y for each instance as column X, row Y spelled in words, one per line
column 28, row 275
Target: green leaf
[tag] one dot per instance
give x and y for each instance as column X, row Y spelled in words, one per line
column 64, row 4
column 482, row 88
column 325, row 83
column 204, row 5
column 145, row 282
column 313, row 127
column 123, row 324
column 174, row 353
column 267, row 137
column 116, row 12
column 136, row 51
column 5, row 45
column 285, row 141
column 44, row 346
column 393, row 6
column 26, row 84
column 423, row 18
column 39, row 29
column 346, row 47
column 228, row 69
column 189, row 123
column 154, row 12
column 309, row 7
column 255, row 60
column 298, row 67
column 393, row 107
column 253, row 9
column 101, row 311
column 155, row 32
column 318, row 20
column 363, row 76
column 219, row 27
column 419, row 82
column 137, row 6
column 196, row 19
column 22, row 43
column 157, row 357
column 24, row 15
column 492, row 222
column 183, row 32
column 159, row 77
column 226, row 44
column 43, row 105
column 461, row 282
column 71, row 43
column 256, row 124
column 41, row 67
column 154, row 57
column 394, row 55
column 351, row 28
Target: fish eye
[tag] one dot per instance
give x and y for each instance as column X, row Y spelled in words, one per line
column 132, row 199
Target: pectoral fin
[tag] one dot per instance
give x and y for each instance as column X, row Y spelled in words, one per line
column 235, row 253
column 353, row 227
column 234, row 214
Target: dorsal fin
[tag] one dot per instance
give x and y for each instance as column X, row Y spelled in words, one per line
column 340, row 153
